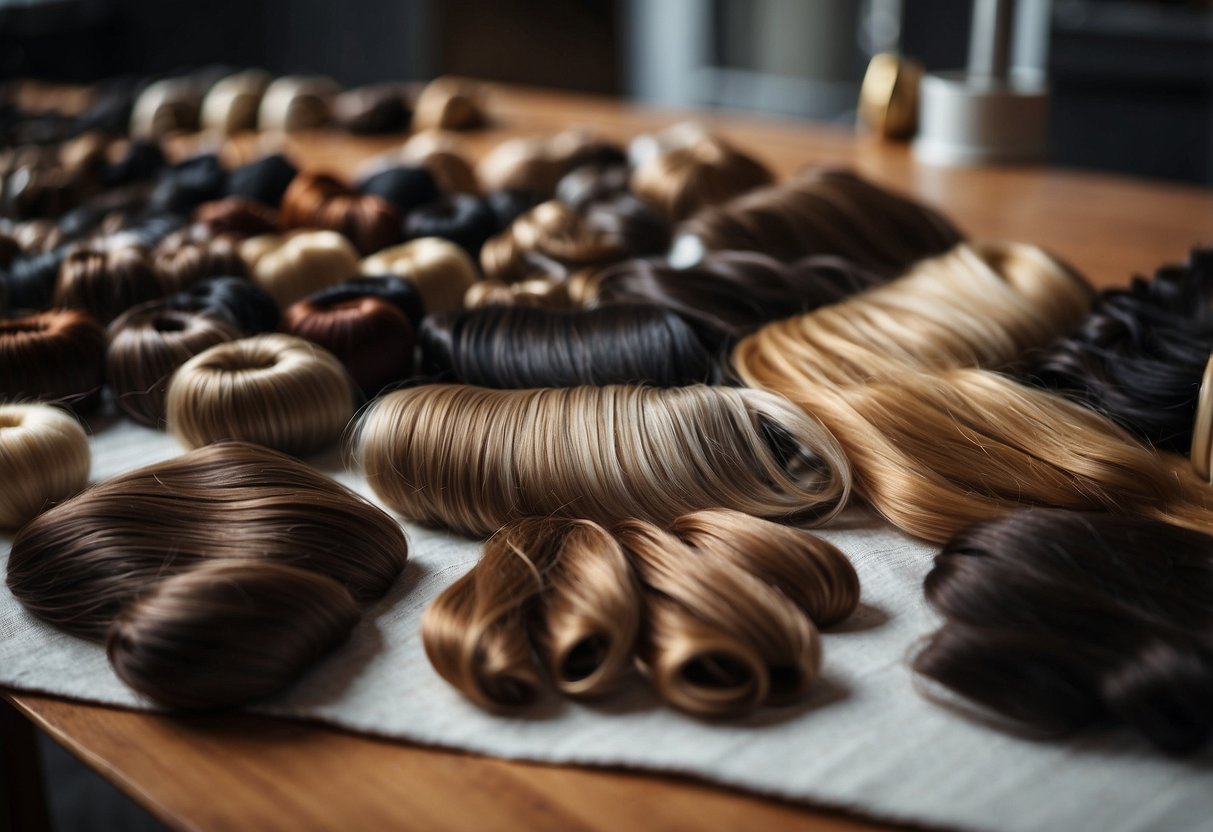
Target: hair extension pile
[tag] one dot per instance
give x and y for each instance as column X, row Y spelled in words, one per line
column 518, row 346
column 826, row 212
column 315, row 200
column 1140, row 355
column 44, row 458
column 553, row 239
column 721, row 611
column 198, row 620
column 1062, row 622
column 56, row 356
column 146, row 346
column 275, row 390
column 473, row 459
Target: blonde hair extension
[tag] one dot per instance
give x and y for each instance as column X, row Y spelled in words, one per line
column 473, row 459
column 275, row 390
column 441, row 270
column 292, row 266
column 698, row 170
column 44, row 459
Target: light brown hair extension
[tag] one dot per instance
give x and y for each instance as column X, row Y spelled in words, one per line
column 180, row 263
column 449, row 104
column 170, row 105
column 292, row 266
column 107, row 277
column 537, row 164
column 316, row 200
column 275, row 390
column 562, row 589
column 198, row 620
column 542, row 292
column 146, row 345
column 230, row 105
column 56, row 356
column 296, row 102
column 441, row 270
column 826, row 212
column 699, row 170
column 473, row 459
column 44, row 458
column 553, row 239
column 441, row 153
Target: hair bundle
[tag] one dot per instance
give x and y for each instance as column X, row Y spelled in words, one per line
column 56, row 356
column 441, row 271
column 292, row 266
column 472, row 459
column 107, row 278
column 44, row 459
column 316, row 200
column 197, row 620
column 695, row 170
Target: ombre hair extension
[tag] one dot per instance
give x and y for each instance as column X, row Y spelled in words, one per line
column 146, row 346
column 106, row 278
column 1140, row 355
column 315, row 200
column 826, row 212
column 230, row 105
column 730, row 293
column 441, row 271
column 193, row 619
column 442, row 154
column 56, row 356
column 704, row 605
column 44, row 459
column 538, row 164
column 519, row 346
column 472, row 459
column 696, row 170
column 370, row 335
column 539, row 292
column 553, row 239
column 373, row 109
column 449, row 104
column 274, row 390
column 1059, row 623
column 293, row 266
column 170, row 105
column 296, row 102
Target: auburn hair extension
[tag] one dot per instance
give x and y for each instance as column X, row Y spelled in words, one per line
column 237, row 216
column 449, row 104
column 697, row 171
column 472, row 458
column 826, row 212
column 296, row 102
column 730, row 293
column 44, row 459
column 559, row 589
column 717, row 640
column 146, row 345
column 1060, row 622
column 230, row 105
column 180, row 262
column 371, row 336
column 553, row 239
column 441, row 271
column 1140, row 355
column 198, row 620
column 274, row 390
column 56, row 356
column 520, row 346
column 107, row 277
column 401, row 293
column 316, row 200
column 236, row 300
column 980, row 305
column 292, row 266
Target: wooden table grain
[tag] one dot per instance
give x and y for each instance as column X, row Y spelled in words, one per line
column 239, row 771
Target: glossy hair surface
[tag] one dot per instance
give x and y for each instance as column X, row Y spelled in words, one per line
column 44, row 459
column 56, row 356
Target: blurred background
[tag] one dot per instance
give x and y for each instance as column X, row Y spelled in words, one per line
column 1131, row 80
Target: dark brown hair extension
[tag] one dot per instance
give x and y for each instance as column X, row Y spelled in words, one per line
column 728, row 294
column 56, row 356
column 827, row 212
column 371, row 336
column 196, row 620
column 237, row 216
column 1061, row 622
column 146, row 345
column 9, row 249
column 522, row 346
column 376, row 108
column 315, row 200
column 553, row 239
column 180, row 263
column 106, row 279
column 700, row 171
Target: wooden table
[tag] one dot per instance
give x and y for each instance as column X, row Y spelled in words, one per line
column 226, row 772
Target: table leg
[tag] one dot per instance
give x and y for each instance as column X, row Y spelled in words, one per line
column 22, row 795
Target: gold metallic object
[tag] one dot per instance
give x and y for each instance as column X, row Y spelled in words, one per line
column 888, row 99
